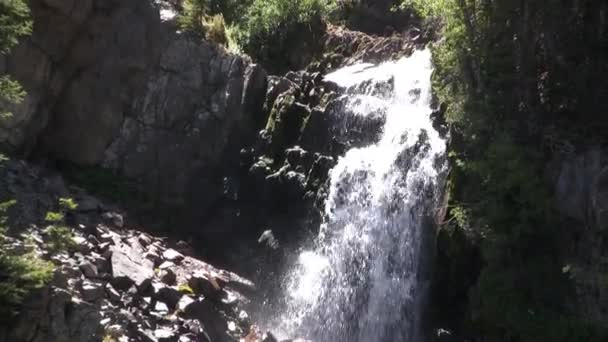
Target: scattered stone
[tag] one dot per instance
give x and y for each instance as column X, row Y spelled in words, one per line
column 112, row 293
column 129, row 266
column 93, row 240
column 204, row 311
column 168, row 277
column 231, row 326
column 161, row 307
column 173, row 255
column 82, row 245
column 165, row 335
column 153, row 256
column 205, row 285
column 145, row 335
column 99, row 261
column 145, row 239
column 115, row 330
column 184, row 302
column 88, row 269
column 169, row 296
column 166, row 265
column 92, row 291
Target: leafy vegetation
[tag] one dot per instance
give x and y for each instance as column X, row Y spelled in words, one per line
column 185, row 289
column 264, row 29
column 14, row 23
column 492, row 70
column 59, row 238
column 20, row 273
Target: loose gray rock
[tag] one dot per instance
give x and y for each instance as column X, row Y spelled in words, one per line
column 88, row 269
column 92, row 291
column 173, row 255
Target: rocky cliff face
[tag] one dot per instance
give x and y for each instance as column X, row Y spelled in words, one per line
column 110, row 83
column 581, row 194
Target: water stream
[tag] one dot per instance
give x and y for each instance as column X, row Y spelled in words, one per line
column 365, row 278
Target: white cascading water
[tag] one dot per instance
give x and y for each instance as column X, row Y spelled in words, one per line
column 361, row 281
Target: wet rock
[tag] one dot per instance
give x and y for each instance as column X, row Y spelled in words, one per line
column 278, row 86
column 319, row 171
column 297, row 156
column 286, row 122
column 269, row 239
column 204, row 311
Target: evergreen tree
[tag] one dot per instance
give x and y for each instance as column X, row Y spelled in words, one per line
column 15, row 22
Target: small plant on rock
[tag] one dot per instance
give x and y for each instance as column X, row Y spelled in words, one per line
column 20, row 274
column 185, row 289
column 59, row 237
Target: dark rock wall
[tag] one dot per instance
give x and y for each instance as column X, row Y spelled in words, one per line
column 109, row 83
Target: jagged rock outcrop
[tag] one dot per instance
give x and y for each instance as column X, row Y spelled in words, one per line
column 109, row 83
column 115, row 282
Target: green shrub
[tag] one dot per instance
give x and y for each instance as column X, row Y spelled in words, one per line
column 20, row 275
column 185, row 289
column 59, row 239
column 14, row 23
column 54, row 217
column 273, row 28
column 68, row 204
column 215, row 29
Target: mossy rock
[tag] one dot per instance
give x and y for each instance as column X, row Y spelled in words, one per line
column 286, row 122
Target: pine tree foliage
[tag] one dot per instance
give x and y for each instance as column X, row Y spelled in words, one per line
column 15, row 23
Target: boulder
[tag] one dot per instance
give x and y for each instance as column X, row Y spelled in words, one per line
column 129, row 266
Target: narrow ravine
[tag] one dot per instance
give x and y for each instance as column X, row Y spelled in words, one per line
column 363, row 280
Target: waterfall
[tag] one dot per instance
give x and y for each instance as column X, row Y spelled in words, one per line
column 364, row 279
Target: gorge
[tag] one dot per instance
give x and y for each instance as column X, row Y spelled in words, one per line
column 303, row 170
